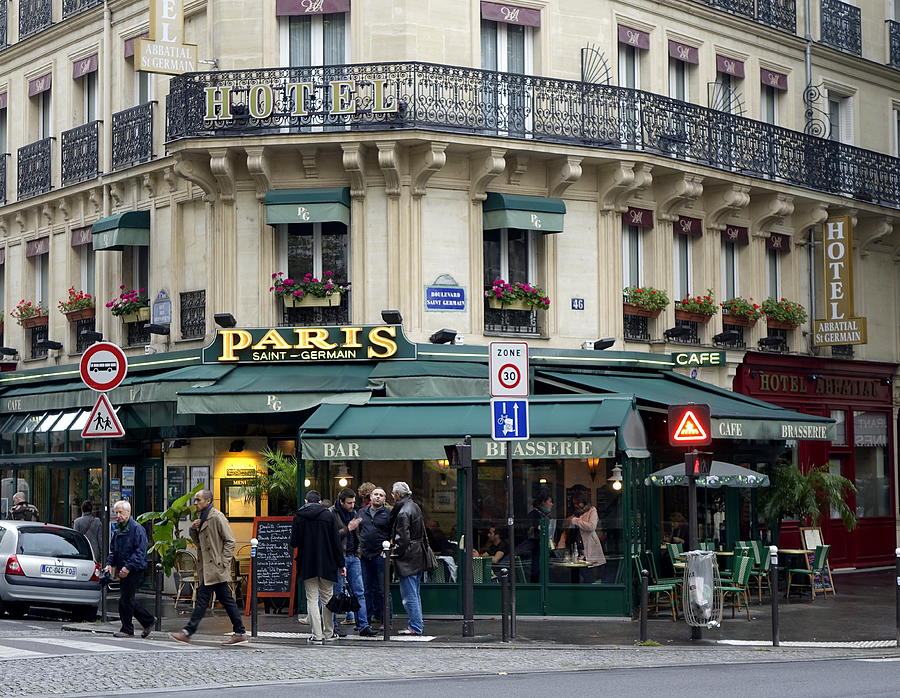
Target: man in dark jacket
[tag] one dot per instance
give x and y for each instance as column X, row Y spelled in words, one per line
column 409, row 554
column 127, row 561
column 374, row 529
column 348, row 524
column 315, row 536
column 22, row 510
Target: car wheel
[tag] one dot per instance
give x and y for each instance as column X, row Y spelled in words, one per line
column 84, row 614
column 15, row 609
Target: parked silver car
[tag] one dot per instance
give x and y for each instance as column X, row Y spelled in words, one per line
column 49, row 566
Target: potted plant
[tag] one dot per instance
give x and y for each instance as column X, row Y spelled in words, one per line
column 644, row 301
column 518, row 296
column 78, row 306
column 308, row 291
column 130, row 305
column 696, row 308
column 29, row 314
column 278, row 482
column 166, row 538
column 742, row 312
column 783, row 314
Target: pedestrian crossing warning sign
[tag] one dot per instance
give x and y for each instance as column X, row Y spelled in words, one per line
column 103, row 422
column 689, row 424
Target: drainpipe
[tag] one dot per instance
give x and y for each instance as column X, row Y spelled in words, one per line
column 106, row 101
column 811, row 254
column 807, row 36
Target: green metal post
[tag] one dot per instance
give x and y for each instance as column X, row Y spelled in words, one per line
column 301, row 471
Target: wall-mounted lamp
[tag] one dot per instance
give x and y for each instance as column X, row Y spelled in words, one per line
column 48, row 344
column 392, row 317
column 600, row 344
column 593, row 464
column 814, row 377
column 542, row 481
column 886, row 381
column 343, row 476
column 224, row 319
column 726, row 337
column 772, row 343
column 91, row 336
column 237, row 446
column 616, row 477
column 8, row 351
column 676, row 332
column 307, row 482
column 443, row 336
column 157, row 329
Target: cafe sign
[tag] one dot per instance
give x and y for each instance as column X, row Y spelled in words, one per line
column 309, row 345
column 164, row 51
column 698, row 358
column 839, row 326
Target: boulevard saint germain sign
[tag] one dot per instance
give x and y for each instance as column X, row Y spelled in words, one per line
column 309, row 345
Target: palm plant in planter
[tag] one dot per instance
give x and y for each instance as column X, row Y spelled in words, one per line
column 518, row 296
column 783, row 314
column 278, row 482
column 696, row 308
column 130, row 305
column 166, row 538
column 644, row 301
column 308, row 291
column 79, row 305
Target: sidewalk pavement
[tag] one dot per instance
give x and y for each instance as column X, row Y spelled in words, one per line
column 862, row 614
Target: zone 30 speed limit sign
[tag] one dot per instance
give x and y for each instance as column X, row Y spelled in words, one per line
column 509, row 369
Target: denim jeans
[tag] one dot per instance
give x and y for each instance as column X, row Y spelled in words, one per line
column 412, row 601
column 355, row 581
column 373, row 581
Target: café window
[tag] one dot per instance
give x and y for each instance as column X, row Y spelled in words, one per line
column 681, row 252
column 315, row 39
column 632, row 255
column 872, row 476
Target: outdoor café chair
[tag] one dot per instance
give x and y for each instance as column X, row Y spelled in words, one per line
column 819, row 567
column 738, row 586
column 658, row 595
column 760, row 574
column 186, row 577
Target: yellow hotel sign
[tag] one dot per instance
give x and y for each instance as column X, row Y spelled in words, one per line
column 165, row 51
column 839, row 325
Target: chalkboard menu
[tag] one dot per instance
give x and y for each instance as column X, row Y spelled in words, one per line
column 276, row 572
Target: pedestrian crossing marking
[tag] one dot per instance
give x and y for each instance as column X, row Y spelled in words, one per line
column 394, row 638
column 850, row 644
column 10, row 649
column 16, row 653
column 80, row 645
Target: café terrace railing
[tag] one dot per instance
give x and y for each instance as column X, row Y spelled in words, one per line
column 452, row 99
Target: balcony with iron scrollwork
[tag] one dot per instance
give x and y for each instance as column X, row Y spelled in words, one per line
column 4, row 159
column 778, row 14
column 318, row 315
column 841, row 26
column 80, row 153
column 894, row 43
column 34, row 16
column 73, row 7
column 502, row 321
column 81, row 326
column 132, row 136
column 193, row 314
column 4, row 26
column 452, row 99
column 637, row 328
column 35, row 174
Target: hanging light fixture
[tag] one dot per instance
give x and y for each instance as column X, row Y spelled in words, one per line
column 343, row 476
column 616, row 477
column 593, row 464
column 307, row 482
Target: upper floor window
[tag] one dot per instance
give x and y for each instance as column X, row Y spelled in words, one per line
column 143, row 81
column 730, row 284
column 769, row 105
column 314, row 248
column 41, row 268
column 632, row 255
column 315, row 39
column 3, row 134
column 84, row 72
column 895, row 121
column 773, row 273
column 724, row 94
column 682, row 59
column 682, row 251
column 629, row 66
column 39, row 95
column 506, row 48
column 840, row 117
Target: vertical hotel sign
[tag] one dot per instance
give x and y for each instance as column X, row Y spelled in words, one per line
column 164, row 51
column 839, row 326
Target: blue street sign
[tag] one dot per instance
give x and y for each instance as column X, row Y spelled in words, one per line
column 509, row 420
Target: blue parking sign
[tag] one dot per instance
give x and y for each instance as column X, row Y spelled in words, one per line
column 509, row 420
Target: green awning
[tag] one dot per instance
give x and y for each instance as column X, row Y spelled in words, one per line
column 389, row 429
column 265, row 389
column 129, row 229
column 429, row 378
column 526, row 212
column 308, row 205
column 734, row 416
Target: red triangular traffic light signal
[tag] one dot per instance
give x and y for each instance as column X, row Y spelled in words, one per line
column 690, row 429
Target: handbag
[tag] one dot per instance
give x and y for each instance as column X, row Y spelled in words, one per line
column 431, row 561
column 345, row 602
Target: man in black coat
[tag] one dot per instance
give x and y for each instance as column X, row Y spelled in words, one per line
column 409, row 554
column 315, row 536
column 374, row 529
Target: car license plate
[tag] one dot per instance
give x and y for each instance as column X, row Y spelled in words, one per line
column 58, row 571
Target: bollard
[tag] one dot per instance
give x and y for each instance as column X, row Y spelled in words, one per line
column 254, row 611
column 897, row 553
column 773, row 571
column 504, row 605
column 645, row 586
column 158, row 584
column 386, row 586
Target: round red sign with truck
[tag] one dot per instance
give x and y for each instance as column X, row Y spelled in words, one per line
column 103, row 366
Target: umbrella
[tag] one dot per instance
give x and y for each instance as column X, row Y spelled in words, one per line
column 720, row 474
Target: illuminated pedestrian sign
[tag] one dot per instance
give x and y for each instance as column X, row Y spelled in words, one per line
column 689, row 425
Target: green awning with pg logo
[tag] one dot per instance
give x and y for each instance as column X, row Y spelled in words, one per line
column 322, row 205
column 115, row 233
column 525, row 212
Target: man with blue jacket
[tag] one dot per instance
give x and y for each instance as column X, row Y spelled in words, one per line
column 127, row 562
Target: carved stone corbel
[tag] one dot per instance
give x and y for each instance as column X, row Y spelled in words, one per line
column 562, row 173
column 355, row 165
column 809, row 214
column 621, row 181
column 116, row 193
column 4, row 227
column 48, row 211
column 768, row 210
column 95, row 197
column 872, row 231
column 722, row 203
column 260, row 169
column 432, row 161
column 223, row 166
column 63, row 206
column 170, row 179
column 675, row 192
column 21, row 222
column 195, row 168
column 485, row 166
column 309, row 162
column 516, row 166
column 148, row 181
column 389, row 162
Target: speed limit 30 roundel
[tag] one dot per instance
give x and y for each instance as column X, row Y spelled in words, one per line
column 508, row 368
column 103, row 366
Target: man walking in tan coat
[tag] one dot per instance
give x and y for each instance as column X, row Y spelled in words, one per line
column 215, row 545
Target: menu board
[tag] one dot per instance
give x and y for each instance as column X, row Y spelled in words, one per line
column 276, row 571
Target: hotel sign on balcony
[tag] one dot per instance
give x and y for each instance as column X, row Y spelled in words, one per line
column 165, row 51
column 839, row 326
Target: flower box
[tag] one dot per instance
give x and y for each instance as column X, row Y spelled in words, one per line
column 519, row 304
column 83, row 314
column 780, row 325
column 691, row 316
column 310, row 301
column 34, row 321
column 141, row 315
column 738, row 320
column 638, row 311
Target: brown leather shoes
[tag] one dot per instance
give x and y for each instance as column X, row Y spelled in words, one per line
column 180, row 636
column 236, row 640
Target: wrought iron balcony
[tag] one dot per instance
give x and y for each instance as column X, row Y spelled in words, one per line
column 4, row 25
column 4, row 159
column 132, row 136
column 841, row 26
column 894, row 42
column 317, row 316
column 34, row 17
column 382, row 97
column 80, row 150
column 34, row 171
column 193, row 314
column 73, row 7
column 780, row 14
column 637, row 328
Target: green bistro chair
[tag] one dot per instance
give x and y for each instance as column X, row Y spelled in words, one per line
column 735, row 560
column 658, row 595
column 674, row 550
column 761, row 575
column 654, row 574
column 819, row 567
column 738, row 587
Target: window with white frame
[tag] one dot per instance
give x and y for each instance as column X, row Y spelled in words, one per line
column 89, row 96
column 3, row 145
column 509, row 254
column 87, row 259
column 773, row 273
column 768, row 104
column 725, row 97
column 895, row 121
column 683, row 247
column 136, row 268
column 629, row 66
column 679, row 79
column 632, row 255
column 730, row 282
column 43, row 122
column 315, row 248
column 507, row 48
column 315, row 39
column 41, row 268
column 143, row 86
column 840, row 117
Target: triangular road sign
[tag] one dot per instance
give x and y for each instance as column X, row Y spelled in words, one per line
column 690, row 429
column 103, row 422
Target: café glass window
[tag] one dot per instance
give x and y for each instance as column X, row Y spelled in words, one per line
column 873, row 480
column 315, row 40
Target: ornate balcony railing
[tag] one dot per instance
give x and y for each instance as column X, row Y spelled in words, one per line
column 504, row 321
column 80, row 151
column 136, row 333
column 780, row 14
column 894, row 43
column 193, row 314
column 34, row 171
column 4, row 25
column 132, row 136
column 4, row 159
column 38, row 335
column 841, row 26
column 637, row 328
column 316, row 316
column 34, row 17
column 73, row 7
column 381, row 97
column 82, row 326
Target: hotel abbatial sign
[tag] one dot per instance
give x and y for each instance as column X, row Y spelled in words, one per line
column 839, row 325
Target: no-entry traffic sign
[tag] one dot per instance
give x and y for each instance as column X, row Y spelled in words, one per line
column 509, row 369
column 103, row 366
